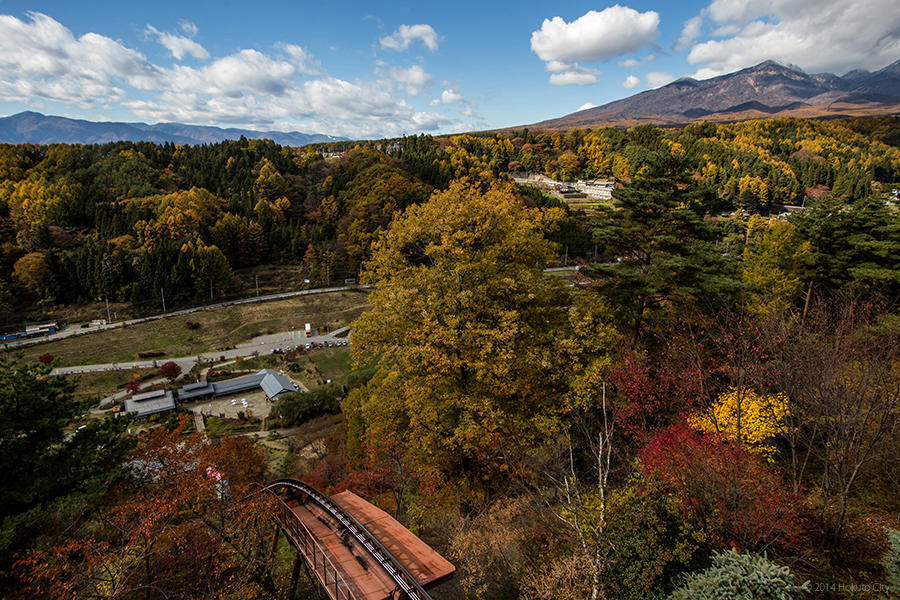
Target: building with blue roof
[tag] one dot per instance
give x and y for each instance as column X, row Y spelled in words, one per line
column 271, row 382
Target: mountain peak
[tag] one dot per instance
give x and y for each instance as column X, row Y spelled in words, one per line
column 766, row 90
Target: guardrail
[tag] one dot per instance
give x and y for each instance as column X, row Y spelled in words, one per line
column 406, row 583
column 329, row 576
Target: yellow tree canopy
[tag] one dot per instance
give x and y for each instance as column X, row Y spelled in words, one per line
column 760, row 419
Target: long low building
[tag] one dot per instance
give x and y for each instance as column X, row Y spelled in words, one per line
column 150, row 403
column 271, row 382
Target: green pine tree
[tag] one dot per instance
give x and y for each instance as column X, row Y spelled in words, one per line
column 663, row 251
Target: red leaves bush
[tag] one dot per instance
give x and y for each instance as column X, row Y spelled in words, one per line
column 730, row 492
column 45, row 359
column 170, row 370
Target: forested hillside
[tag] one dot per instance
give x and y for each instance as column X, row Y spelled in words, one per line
column 131, row 222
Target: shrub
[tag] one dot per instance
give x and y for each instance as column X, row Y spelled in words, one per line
column 45, row 358
column 725, row 487
column 735, row 576
column 192, row 324
column 652, row 543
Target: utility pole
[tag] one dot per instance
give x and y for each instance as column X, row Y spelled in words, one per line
column 567, row 256
column 257, row 284
column 595, row 252
column 108, row 318
column 162, row 292
column 210, row 290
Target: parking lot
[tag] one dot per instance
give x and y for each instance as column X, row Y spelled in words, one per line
column 229, row 406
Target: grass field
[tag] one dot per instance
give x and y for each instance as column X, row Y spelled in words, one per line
column 91, row 385
column 219, row 328
column 333, row 363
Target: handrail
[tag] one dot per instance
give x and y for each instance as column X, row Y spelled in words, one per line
column 405, row 581
column 310, row 545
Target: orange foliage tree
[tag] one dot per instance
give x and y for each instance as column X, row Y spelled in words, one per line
column 191, row 522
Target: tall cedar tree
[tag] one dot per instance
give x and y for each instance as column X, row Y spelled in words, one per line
column 662, row 250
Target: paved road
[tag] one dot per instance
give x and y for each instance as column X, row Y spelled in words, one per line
column 75, row 329
column 259, row 345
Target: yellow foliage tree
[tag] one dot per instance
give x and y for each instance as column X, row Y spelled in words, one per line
column 749, row 418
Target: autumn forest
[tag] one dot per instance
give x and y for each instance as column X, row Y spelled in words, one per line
column 708, row 406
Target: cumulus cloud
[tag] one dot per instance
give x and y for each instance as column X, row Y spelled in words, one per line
column 586, row 106
column 833, row 35
column 413, row 80
column 40, row 59
column 631, row 82
column 178, row 45
column 571, row 74
column 449, row 96
column 594, row 36
column 407, row 34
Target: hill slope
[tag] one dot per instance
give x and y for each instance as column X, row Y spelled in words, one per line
column 35, row 128
column 766, row 90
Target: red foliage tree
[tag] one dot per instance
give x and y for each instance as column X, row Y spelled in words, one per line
column 651, row 394
column 133, row 386
column 45, row 358
column 191, row 523
column 729, row 491
column 170, row 370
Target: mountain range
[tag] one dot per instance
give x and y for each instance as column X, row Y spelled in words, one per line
column 768, row 89
column 35, row 128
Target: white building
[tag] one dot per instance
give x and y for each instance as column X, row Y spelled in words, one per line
column 598, row 189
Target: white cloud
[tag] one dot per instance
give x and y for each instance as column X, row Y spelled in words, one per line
column 188, row 28
column 407, row 34
column 177, row 45
column 690, row 32
column 573, row 78
column 596, row 35
column 657, row 79
column 413, row 80
column 302, row 60
column 631, row 82
column 586, row 106
column 832, row 35
column 630, row 63
column 449, row 96
column 571, row 74
column 41, row 60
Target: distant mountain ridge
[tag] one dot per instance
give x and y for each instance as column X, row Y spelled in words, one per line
column 768, row 89
column 35, row 128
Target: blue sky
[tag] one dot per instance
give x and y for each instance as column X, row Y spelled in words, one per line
column 361, row 69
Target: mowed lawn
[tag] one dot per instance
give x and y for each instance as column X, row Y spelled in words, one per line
column 219, row 328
